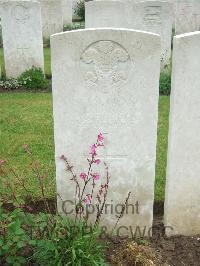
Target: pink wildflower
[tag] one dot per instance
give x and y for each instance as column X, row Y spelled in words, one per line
column 96, row 176
column 2, row 162
column 83, row 176
column 100, row 137
column 87, row 199
column 97, row 161
column 93, row 149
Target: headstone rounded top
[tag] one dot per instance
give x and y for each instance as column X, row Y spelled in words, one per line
column 97, row 30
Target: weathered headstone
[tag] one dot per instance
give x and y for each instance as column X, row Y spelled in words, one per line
column 99, row 14
column 22, row 36
column 112, row 87
column 52, row 17
column 173, row 2
column 156, row 17
column 187, row 16
column 67, row 11
column 182, row 199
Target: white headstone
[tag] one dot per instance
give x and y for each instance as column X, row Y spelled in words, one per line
column 112, row 87
column 187, row 16
column 156, row 17
column 52, row 17
column 22, row 36
column 173, row 2
column 182, row 203
column 99, row 14
column 67, row 11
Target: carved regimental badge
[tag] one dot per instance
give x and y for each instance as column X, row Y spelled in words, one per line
column 21, row 13
column 105, row 64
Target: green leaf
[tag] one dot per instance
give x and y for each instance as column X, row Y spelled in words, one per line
column 21, row 244
column 73, row 254
column 32, row 242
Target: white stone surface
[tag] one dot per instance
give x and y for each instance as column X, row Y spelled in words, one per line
column 52, row 17
column 67, row 11
column 187, row 16
column 99, row 14
column 22, row 36
column 55, row 13
column 107, row 80
column 173, row 2
column 182, row 203
column 156, row 17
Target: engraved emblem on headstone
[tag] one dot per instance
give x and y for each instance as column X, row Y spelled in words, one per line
column 105, row 63
column 21, row 13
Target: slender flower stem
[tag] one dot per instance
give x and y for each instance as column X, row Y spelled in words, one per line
column 122, row 212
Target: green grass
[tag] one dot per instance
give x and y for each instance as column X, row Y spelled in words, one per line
column 27, row 118
column 162, row 147
column 47, row 60
column 2, row 62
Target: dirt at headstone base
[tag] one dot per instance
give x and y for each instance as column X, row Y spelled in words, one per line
column 158, row 251
column 176, row 250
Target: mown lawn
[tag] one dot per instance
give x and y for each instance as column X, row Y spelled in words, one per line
column 47, row 61
column 26, row 118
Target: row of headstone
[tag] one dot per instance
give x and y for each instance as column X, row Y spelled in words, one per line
column 153, row 16
column 113, row 87
column 186, row 14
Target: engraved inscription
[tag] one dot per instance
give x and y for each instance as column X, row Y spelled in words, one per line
column 123, row 113
column 152, row 15
column 105, row 63
column 20, row 13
